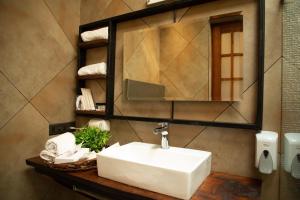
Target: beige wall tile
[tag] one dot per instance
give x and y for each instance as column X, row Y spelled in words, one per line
column 232, row 149
column 136, row 4
column 205, row 111
column 92, row 10
column 247, row 107
column 272, row 98
column 67, row 14
column 57, row 100
column 273, row 32
column 116, row 7
column 231, row 115
column 182, row 135
column 11, row 100
column 145, row 131
column 98, row 93
column 22, row 137
column 122, row 132
column 34, row 57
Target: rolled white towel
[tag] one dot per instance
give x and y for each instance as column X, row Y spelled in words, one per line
column 67, row 158
column 48, row 156
column 99, row 123
column 98, row 68
column 61, row 144
column 101, row 33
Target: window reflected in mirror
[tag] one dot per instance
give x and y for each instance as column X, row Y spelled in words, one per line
column 227, row 61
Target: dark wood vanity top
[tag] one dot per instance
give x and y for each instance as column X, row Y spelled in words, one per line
column 217, row 186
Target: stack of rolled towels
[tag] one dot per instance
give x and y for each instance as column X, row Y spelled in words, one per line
column 98, row 68
column 63, row 149
column 101, row 33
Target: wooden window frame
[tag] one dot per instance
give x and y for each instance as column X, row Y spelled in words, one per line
column 226, row 23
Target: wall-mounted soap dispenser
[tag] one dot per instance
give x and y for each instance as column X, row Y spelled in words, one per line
column 292, row 154
column 266, row 151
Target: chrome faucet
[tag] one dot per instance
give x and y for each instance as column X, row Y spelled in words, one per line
column 163, row 130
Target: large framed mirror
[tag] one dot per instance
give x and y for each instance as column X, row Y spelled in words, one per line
column 188, row 62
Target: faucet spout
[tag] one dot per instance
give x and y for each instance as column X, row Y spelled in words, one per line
column 163, row 131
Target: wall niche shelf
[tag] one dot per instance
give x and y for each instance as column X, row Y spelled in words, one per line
column 93, row 44
column 112, row 23
column 91, row 113
column 91, row 77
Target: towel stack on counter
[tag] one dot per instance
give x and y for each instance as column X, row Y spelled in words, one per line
column 62, row 149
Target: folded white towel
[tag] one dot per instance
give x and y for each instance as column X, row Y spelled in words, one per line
column 99, row 123
column 67, row 158
column 64, row 143
column 48, row 156
column 98, row 68
column 97, row 34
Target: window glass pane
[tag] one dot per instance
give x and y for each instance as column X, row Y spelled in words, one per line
column 225, row 90
column 225, row 67
column 225, row 43
column 237, row 90
column 238, row 42
column 238, row 66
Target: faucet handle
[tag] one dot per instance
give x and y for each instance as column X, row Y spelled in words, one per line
column 163, row 124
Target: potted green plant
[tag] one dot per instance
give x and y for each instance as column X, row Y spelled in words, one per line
column 92, row 137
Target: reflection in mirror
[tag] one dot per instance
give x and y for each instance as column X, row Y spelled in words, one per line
column 191, row 61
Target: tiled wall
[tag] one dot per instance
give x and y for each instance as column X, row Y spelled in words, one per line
column 233, row 149
column 37, row 83
column 290, row 187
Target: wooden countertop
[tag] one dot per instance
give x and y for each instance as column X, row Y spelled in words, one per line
column 217, row 186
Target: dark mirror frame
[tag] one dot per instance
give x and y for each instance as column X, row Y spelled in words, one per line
column 165, row 7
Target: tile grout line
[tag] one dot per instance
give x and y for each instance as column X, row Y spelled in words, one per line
column 59, row 72
column 56, row 20
column 45, row 87
column 239, row 113
column 184, row 14
column 14, row 115
column 39, row 112
column 130, row 125
column 198, row 134
column 264, row 74
column 134, row 130
column 206, row 126
column 26, row 101
column 14, row 85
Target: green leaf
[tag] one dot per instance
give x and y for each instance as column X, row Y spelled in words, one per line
column 92, row 137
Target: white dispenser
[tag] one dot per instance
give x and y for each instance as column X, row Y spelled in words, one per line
column 266, row 151
column 292, row 154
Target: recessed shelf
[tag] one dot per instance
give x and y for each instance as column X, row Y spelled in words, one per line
column 90, row 112
column 91, row 77
column 93, row 44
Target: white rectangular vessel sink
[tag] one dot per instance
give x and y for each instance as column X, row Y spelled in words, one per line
column 176, row 172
